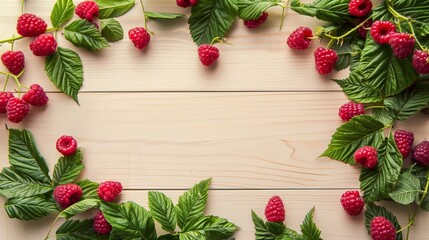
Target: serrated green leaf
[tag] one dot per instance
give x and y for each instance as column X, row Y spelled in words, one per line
column 79, row 207
column 25, row 158
column 89, row 189
column 344, row 53
column 378, row 183
column 129, row 221
column 275, row 227
column 62, row 12
column 68, row 168
column 309, row 228
column 203, row 226
column 211, row 19
column 64, row 69
column 415, row 9
column 168, row 237
column 29, row 208
column 162, row 15
column 360, row 131
column 162, row 210
column 14, row 185
column 407, row 189
column 261, row 229
column 84, row 34
column 358, row 90
column 112, row 30
column 373, row 210
column 289, row 234
column 110, row 9
column 253, row 9
column 78, row 230
column 335, row 11
column 192, row 203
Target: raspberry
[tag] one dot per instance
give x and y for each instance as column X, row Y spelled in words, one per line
column 404, row 140
column 4, row 98
column 364, row 29
column 186, row 3
column 367, row 157
column 66, row 145
column 108, row 191
column 208, row 54
column 29, row 25
column 139, row 36
column 325, row 60
column 44, row 45
column 67, row 194
column 275, row 210
column 101, row 226
column 256, row 22
column 402, row 44
column 36, row 96
column 381, row 31
column 14, row 61
column 421, row 61
column 360, row 8
column 382, row 229
column 352, row 202
column 16, row 110
column 299, row 39
column 351, row 109
column 421, row 154
column 87, row 10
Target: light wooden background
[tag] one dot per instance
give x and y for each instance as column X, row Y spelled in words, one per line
column 157, row 119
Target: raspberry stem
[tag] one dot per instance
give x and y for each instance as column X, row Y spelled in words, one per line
column 52, row 226
column 284, row 8
column 22, row 6
column 15, row 38
column 16, row 78
column 145, row 18
column 339, row 38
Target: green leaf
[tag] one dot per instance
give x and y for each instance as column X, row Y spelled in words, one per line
column 89, row 189
column 209, row 224
column 62, row 12
column 253, row 9
column 168, row 237
column 407, row 189
column 25, row 158
column 360, row 131
column 64, row 69
column 85, row 35
column 261, row 229
column 378, row 183
column 161, row 15
column 78, row 230
column 358, row 90
column 110, row 9
column 211, row 18
column 289, row 234
column 309, row 228
column 68, row 168
column 414, row 9
column 29, row 208
column 129, row 221
column 79, row 207
column 112, row 30
column 192, row 203
column 335, row 11
column 275, row 228
column 14, row 185
column 383, row 71
column 162, row 210
column 344, row 53
column 373, row 210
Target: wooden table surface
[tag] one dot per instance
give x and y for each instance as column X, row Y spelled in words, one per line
column 157, row 119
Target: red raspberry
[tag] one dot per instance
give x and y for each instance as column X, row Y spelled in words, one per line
column 367, row 157
column 4, row 98
column 382, row 229
column 404, row 140
column 87, row 10
column 208, row 54
column 364, row 29
column 66, row 145
column 352, row 202
column 36, row 96
column 17, row 110
column 300, row 38
column 325, row 60
column 421, row 154
column 101, row 225
column 381, row 31
column 186, row 3
column 44, row 45
column 256, row 22
column 351, row 109
column 67, row 194
column 108, row 191
column 360, row 8
column 275, row 210
column 193, row 2
column 14, row 61
column 421, row 61
column 29, row 25
column 139, row 36
column 402, row 44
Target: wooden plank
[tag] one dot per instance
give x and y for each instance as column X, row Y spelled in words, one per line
column 244, row 140
column 236, row 205
column 258, row 60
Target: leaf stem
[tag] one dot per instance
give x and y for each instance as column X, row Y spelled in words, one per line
column 338, row 38
column 145, row 18
column 284, row 8
column 52, row 226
